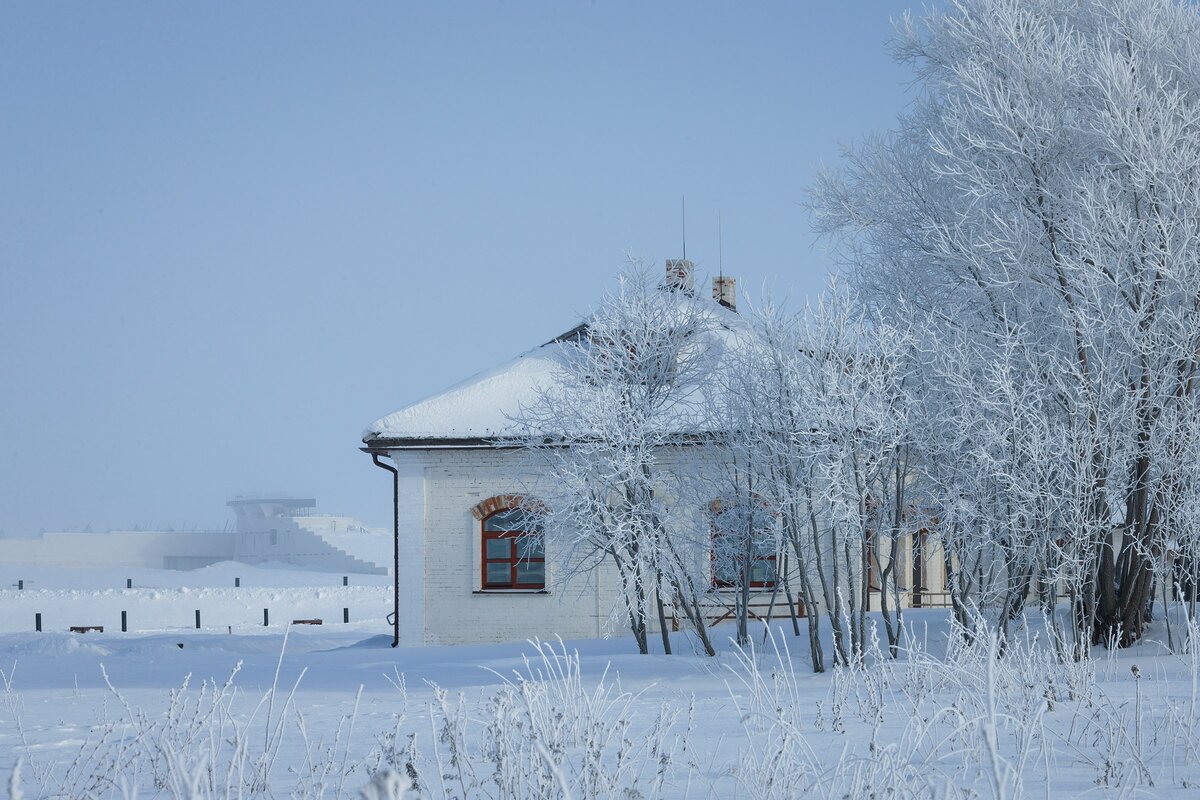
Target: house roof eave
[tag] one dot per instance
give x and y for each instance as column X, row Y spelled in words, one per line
column 382, row 445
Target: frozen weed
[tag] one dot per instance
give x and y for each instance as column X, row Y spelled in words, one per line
column 994, row 718
column 14, row 781
column 546, row 734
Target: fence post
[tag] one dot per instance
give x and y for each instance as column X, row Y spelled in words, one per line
column 345, row 615
column 129, row 583
column 197, row 619
column 124, row 626
column 237, row 582
column 20, row 584
column 37, row 622
column 265, row 618
column 345, row 580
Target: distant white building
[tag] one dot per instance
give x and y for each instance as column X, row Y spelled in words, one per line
column 267, row 530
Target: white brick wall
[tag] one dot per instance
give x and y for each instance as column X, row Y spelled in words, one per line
column 456, row 611
column 443, row 486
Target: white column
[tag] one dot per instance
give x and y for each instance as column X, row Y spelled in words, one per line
column 411, row 549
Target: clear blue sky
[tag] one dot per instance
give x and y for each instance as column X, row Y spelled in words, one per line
column 232, row 235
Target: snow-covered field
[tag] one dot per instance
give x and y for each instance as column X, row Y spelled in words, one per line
column 176, row 712
column 166, row 600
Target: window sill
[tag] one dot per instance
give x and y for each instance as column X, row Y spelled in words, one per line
column 510, row 591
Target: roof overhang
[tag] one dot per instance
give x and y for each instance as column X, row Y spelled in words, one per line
column 382, row 445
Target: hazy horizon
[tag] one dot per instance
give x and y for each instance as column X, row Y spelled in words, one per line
column 235, row 235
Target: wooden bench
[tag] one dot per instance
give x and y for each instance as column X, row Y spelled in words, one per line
column 718, row 608
column 927, row 599
column 761, row 610
column 308, row 622
column 86, row 628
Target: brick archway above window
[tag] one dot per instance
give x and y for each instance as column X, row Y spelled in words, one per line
column 500, row 502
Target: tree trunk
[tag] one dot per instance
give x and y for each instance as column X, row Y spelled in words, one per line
column 662, row 617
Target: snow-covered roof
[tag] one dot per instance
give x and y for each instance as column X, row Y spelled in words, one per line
column 481, row 408
column 477, row 408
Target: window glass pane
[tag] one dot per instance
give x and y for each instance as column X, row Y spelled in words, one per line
column 499, row 548
column 531, row 572
column 531, row 546
column 762, row 571
column 499, row 575
column 510, row 520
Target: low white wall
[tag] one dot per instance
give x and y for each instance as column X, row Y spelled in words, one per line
column 287, row 543
column 175, row 609
column 119, row 548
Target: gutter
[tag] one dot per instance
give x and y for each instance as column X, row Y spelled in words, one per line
column 442, row 443
column 395, row 546
column 382, row 444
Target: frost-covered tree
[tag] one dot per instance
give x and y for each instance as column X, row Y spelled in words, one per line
column 1001, row 468
column 817, row 404
column 617, row 437
column 765, row 406
column 856, row 370
column 1042, row 199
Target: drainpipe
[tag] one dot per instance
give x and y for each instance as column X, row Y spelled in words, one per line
column 395, row 546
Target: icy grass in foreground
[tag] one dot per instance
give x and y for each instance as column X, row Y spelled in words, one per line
column 982, row 721
column 543, row 733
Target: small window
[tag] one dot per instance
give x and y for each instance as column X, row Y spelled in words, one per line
column 727, row 566
column 514, row 551
column 729, row 547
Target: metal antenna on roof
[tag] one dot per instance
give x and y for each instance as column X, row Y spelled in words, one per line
column 720, row 247
column 683, row 216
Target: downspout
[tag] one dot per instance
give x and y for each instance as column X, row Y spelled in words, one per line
column 395, row 546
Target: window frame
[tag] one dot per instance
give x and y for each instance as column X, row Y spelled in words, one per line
column 514, row 558
column 715, row 511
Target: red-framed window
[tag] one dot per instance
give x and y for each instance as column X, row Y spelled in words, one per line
column 729, row 548
column 514, row 551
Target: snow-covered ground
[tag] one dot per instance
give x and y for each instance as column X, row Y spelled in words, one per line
column 103, row 715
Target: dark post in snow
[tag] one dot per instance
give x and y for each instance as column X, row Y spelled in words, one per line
column 237, row 582
column 345, row 615
column 266, row 618
column 345, row 580
column 20, row 584
column 129, row 583
column 124, row 622
column 197, row 619
column 37, row 622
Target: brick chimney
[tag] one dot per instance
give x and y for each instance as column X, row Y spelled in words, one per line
column 725, row 291
column 679, row 275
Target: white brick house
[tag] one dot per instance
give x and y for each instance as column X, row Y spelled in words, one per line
column 454, row 479
column 462, row 574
